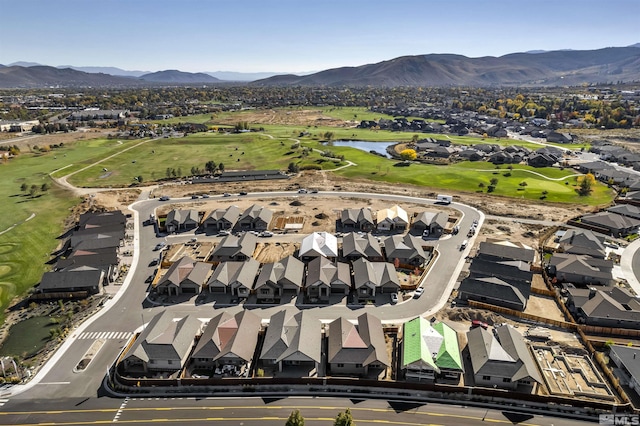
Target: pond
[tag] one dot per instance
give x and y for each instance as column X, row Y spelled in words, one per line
column 368, row 146
column 28, row 337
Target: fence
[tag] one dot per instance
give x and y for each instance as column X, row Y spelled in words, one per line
column 518, row 314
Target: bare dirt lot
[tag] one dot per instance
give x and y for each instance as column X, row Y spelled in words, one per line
column 304, row 117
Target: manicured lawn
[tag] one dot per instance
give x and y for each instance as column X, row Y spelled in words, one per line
column 25, row 248
column 245, row 151
column 197, row 119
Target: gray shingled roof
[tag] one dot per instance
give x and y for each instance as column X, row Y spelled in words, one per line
column 360, row 245
column 582, row 241
column 292, row 337
column 287, row 271
column 587, row 266
column 404, row 247
column 76, row 280
column 166, row 338
column 506, row 357
column 235, row 274
column 232, row 246
column 493, row 250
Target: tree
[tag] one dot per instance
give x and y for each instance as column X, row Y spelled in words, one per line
column 210, row 166
column 408, row 154
column 293, row 168
column 24, row 187
column 523, row 183
column 586, row 184
column 44, row 187
column 295, row 419
column 344, row 419
column 328, row 136
column 493, row 181
column 33, row 190
column 139, row 178
column 221, row 167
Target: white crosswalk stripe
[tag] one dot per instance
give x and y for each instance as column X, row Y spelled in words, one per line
column 3, row 401
column 93, row 335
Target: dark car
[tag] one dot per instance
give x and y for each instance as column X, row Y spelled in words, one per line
column 242, row 193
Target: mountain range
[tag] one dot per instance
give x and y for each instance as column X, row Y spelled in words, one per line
column 535, row 68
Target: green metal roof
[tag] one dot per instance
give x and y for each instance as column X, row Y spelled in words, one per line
column 415, row 348
column 449, row 353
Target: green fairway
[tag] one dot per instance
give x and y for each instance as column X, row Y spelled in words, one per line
column 244, row 151
column 30, row 225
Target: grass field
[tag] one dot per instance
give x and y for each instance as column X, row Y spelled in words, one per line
column 30, row 224
column 245, row 151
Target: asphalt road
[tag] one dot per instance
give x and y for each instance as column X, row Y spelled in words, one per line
column 260, row 411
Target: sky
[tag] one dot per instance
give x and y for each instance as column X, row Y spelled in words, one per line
column 299, row 36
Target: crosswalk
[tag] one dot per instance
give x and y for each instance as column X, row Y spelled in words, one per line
column 3, row 401
column 93, row 335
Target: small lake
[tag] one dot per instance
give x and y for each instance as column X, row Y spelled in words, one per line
column 368, row 146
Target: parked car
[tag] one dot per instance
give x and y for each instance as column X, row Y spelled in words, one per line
column 194, row 197
column 418, row 292
column 394, row 298
column 266, row 234
column 164, row 198
column 464, row 245
column 242, row 193
column 478, row 323
column 226, row 194
column 154, row 262
column 205, row 195
column 193, row 240
column 223, row 233
column 314, row 191
column 302, row 191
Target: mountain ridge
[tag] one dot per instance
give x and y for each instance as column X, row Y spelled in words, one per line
column 550, row 68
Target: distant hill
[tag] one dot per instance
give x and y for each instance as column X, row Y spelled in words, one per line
column 45, row 76
column 533, row 68
column 567, row 67
column 106, row 70
column 178, row 77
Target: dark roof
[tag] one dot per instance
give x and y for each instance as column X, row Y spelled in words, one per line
column 495, row 291
column 85, row 278
column 503, row 251
column 100, row 258
column 98, row 219
column 582, row 241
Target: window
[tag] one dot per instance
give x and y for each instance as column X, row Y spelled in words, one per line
column 358, row 365
column 506, row 380
column 265, row 291
column 169, row 361
column 486, row 377
column 340, row 365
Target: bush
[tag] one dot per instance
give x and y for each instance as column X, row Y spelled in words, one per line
column 311, row 167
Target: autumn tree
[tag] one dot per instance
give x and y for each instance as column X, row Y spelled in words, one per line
column 585, row 184
column 408, row 154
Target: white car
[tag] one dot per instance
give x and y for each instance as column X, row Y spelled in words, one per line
column 418, row 292
column 394, row 298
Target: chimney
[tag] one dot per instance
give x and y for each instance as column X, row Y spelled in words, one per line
column 592, row 292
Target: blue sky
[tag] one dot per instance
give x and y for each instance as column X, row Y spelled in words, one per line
column 299, row 35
